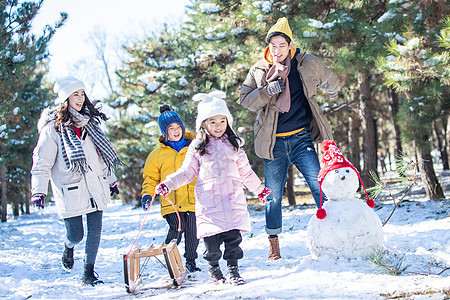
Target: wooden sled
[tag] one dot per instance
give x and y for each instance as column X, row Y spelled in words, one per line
column 132, row 265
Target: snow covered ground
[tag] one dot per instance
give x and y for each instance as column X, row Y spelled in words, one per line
column 418, row 234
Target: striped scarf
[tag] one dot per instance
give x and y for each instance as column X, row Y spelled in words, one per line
column 72, row 150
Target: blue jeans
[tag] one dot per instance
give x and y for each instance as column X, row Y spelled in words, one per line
column 75, row 233
column 297, row 149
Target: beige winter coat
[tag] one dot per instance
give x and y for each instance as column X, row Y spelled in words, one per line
column 74, row 193
column 313, row 74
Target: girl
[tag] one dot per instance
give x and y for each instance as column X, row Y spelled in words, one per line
column 222, row 170
column 162, row 161
column 77, row 157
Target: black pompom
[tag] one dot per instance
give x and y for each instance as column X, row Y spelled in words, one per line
column 164, row 108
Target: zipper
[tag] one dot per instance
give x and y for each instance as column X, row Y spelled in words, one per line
column 175, row 191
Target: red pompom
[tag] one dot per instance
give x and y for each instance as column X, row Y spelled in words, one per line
column 371, row 203
column 326, row 144
column 321, row 213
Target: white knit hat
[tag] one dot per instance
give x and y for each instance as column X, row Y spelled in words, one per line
column 211, row 104
column 65, row 86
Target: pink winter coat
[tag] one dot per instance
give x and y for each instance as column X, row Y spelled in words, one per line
column 220, row 203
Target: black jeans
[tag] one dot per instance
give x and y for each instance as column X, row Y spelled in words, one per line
column 232, row 252
column 188, row 227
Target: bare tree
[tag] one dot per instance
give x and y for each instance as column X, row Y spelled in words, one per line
column 100, row 41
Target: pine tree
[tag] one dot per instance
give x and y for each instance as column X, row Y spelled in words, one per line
column 350, row 36
column 422, row 73
column 153, row 76
column 171, row 68
column 22, row 95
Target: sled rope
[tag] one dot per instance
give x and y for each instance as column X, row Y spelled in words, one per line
column 145, row 219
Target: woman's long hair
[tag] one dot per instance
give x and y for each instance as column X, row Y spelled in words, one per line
column 204, row 140
column 63, row 117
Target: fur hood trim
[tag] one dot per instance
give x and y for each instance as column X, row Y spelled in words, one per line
column 47, row 115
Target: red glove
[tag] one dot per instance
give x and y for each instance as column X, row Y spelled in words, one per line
column 162, row 189
column 263, row 195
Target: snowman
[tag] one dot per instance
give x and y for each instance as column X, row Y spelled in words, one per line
column 345, row 226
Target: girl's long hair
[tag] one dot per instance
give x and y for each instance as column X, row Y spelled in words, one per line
column 62, row 115
column 204, row 140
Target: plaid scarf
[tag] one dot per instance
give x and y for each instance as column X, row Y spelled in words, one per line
column 72, row 150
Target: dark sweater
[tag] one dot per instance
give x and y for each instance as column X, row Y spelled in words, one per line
column 299, row 115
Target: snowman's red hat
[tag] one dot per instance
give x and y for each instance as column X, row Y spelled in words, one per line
column 333, row 159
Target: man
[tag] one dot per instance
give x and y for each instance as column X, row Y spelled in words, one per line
column 282, row 88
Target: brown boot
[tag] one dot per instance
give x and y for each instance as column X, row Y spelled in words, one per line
column 274, row 250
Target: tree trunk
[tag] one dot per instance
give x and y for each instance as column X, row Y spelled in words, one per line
column 444, row 147
column 440, row 146
column 429, row 179
column 290, row 185
column 354, row 124
column 369, row 145
column 447, row 133
column 27, row 203
column 376, row 139
column 4, row 206
column 384, row 152
column 15, row 209
column 397, row 134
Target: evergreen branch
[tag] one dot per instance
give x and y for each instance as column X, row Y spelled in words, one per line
column 394, row 266
column 380, row 258
column 396, row 271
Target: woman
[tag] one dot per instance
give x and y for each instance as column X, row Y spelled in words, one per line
column 77, row 158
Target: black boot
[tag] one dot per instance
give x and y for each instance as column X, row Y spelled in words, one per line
column 89, row 275
column 191, row 266
column 67, row 258
column 215, row 273
column 234, row 276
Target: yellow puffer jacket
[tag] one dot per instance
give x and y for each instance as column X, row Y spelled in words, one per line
column 162, row 162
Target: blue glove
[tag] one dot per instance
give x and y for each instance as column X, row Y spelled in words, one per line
column 38, row 200
column 113, row 189
column 146, row 200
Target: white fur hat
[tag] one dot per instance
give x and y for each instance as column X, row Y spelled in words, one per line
column 65, row 86
column 211, row 104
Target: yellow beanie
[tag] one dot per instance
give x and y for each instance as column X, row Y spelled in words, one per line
column 282, row 26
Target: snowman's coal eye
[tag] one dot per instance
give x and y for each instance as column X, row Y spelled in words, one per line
column 336, row 171
column 347, row 171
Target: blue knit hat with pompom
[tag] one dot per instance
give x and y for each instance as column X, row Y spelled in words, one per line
column 167, row 117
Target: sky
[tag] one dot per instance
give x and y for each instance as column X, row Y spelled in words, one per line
column 72, row 51
column 417, row 235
